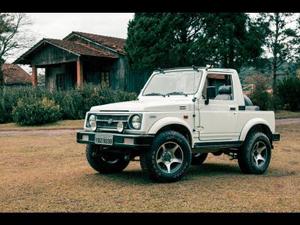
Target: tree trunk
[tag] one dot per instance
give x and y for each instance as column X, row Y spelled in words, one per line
column 274, row 74
column 1, row 75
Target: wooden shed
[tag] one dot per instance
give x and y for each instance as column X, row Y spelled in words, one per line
column 78, row 58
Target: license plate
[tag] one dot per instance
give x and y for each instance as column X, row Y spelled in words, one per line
column 104, row 139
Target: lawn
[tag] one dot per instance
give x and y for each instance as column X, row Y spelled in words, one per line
column 62, row 124
column 47, row 172
column 283, row 114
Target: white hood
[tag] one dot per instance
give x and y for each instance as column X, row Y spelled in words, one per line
column 156, row 104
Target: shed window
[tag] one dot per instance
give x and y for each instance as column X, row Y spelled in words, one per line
column 105, row 78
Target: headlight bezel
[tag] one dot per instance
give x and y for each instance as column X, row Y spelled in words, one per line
column 91, row 122
column 130, row 121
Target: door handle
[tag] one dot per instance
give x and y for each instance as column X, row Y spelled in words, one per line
column 232, row 108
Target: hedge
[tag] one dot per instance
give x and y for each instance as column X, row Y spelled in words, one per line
column 71, row 104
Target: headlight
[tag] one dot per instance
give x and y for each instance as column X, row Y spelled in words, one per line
column 92, row 122
column 136, row 122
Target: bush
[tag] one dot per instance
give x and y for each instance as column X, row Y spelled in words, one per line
column 73, row 103
column 11, row 95
column 260, row 96
column 288, row 91
column 35, row 111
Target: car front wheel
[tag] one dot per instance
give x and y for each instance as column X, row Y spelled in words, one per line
column 105, row 162
column 169, row 157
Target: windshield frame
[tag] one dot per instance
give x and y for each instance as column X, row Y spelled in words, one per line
column 172, row 71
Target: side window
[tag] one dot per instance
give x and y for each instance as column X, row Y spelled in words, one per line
column 219, row 87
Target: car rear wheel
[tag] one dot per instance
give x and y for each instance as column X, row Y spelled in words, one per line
column 255, row 155
column 105, row 162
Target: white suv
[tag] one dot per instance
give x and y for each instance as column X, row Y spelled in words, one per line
column 180, row 116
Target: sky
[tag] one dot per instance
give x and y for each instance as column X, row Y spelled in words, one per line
column 59, row 25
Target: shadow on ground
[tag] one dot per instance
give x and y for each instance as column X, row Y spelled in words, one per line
column 136, row 176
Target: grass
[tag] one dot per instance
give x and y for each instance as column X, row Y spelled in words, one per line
column 47, row 172
column 65, row 124
column 283, row 114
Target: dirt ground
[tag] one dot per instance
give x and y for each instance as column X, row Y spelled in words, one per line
column 47, row 172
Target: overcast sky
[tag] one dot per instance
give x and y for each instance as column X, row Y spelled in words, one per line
column 59, row 25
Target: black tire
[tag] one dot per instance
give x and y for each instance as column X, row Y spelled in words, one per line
column 105, row 162
column 169, row 148
column 248, row 157
column 199, row 158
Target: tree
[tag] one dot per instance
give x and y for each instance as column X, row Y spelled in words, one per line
column 183, row 39
column 234, row 39
column 10, row 29
column 280, row 41
column 158, row 39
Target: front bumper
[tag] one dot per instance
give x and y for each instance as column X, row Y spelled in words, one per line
column 275, row 137
column 119, row 140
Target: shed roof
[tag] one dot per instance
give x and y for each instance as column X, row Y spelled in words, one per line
column 14, row 74
column 80, row 48
column 76, row 48
column 116, row 44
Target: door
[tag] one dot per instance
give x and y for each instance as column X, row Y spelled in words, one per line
column 218, row 118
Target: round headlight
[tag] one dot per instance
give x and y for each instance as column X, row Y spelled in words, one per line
column 136, row 122
column 92, row 122
column 120, row 126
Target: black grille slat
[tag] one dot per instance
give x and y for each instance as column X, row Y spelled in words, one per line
column 110, row 122
column 113, row 117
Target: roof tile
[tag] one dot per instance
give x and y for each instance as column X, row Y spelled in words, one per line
column 14, row 74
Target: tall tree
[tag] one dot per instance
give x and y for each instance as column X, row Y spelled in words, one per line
column 182, row 39
column 280, row 41
column 234, row 39
column 11, row 25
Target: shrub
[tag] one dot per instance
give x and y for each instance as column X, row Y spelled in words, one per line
column 73, row 103
column 35, row 111
column 260, row 96
column 288, row 91
column 11, row 95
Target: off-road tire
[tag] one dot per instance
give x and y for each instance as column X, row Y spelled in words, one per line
column 246, row 160
column 148, row 159
column 105, row 162
column 198, row 160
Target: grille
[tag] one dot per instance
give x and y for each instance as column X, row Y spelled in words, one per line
column 109, row 122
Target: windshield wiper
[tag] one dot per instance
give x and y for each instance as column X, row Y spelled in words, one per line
column 176, row 93
column 155, row 94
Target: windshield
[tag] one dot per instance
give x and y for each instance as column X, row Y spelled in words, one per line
column 173, row 83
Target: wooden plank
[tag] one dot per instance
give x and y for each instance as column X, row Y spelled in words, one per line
column 50, row 55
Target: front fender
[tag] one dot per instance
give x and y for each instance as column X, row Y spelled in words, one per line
column 168, row 121
column 250, row 124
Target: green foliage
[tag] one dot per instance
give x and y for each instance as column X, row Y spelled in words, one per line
column 73, row 104
column 34, row 111
column 260, row 96
column 182, row 39
column 288, row 91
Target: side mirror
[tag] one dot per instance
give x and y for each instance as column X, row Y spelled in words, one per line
column 210, row 93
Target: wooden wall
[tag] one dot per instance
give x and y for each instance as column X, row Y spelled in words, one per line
column 51, row 55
